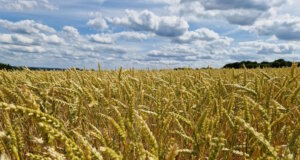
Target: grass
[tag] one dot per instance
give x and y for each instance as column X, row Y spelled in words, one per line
column 129, row 114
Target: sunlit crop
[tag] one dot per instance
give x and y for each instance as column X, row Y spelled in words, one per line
column 139, row 114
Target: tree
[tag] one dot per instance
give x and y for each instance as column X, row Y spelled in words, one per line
column 249, row 64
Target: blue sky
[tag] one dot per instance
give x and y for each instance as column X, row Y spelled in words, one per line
column 147, row 33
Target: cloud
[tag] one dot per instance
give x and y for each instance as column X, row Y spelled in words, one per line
column 241, row 16
column 26, row 27
column 15, row 39
column 177, row 51
column 176, row 54
column 131, row 35
column 238, row 4
column 99, row 23
column 202, row 34
column 169, row 26
column 152, row 34
column 193, row 10
column 101, row 38
column 70, row 31
column 26, row 4
column 185, row 53
column 28, row 32
column 39, row 44
column 13, row 48
column 284, row 27
column 276, row 49
column 160, row 1
column 239, row 12
column 266, row 48
column 109, row 38
column 52, row 39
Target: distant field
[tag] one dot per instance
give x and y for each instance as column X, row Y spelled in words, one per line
column 128, row 114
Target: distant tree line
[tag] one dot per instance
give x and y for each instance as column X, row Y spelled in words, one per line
column 250, row 64
column 279, row 63
column 10, row 67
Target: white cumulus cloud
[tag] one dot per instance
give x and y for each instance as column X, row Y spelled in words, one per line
column 203, row 34
column 26, row 4
column 98, row 23
column 284, row 27
column 26, row 27
column 146, row 20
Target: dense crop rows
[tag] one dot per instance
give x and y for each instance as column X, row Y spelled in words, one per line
column 214, row 114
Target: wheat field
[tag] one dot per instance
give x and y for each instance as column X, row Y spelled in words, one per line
column 139, row 114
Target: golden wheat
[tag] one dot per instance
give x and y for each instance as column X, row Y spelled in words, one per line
column 139, row 114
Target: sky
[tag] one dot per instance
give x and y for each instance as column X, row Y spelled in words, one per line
column 147, row 33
